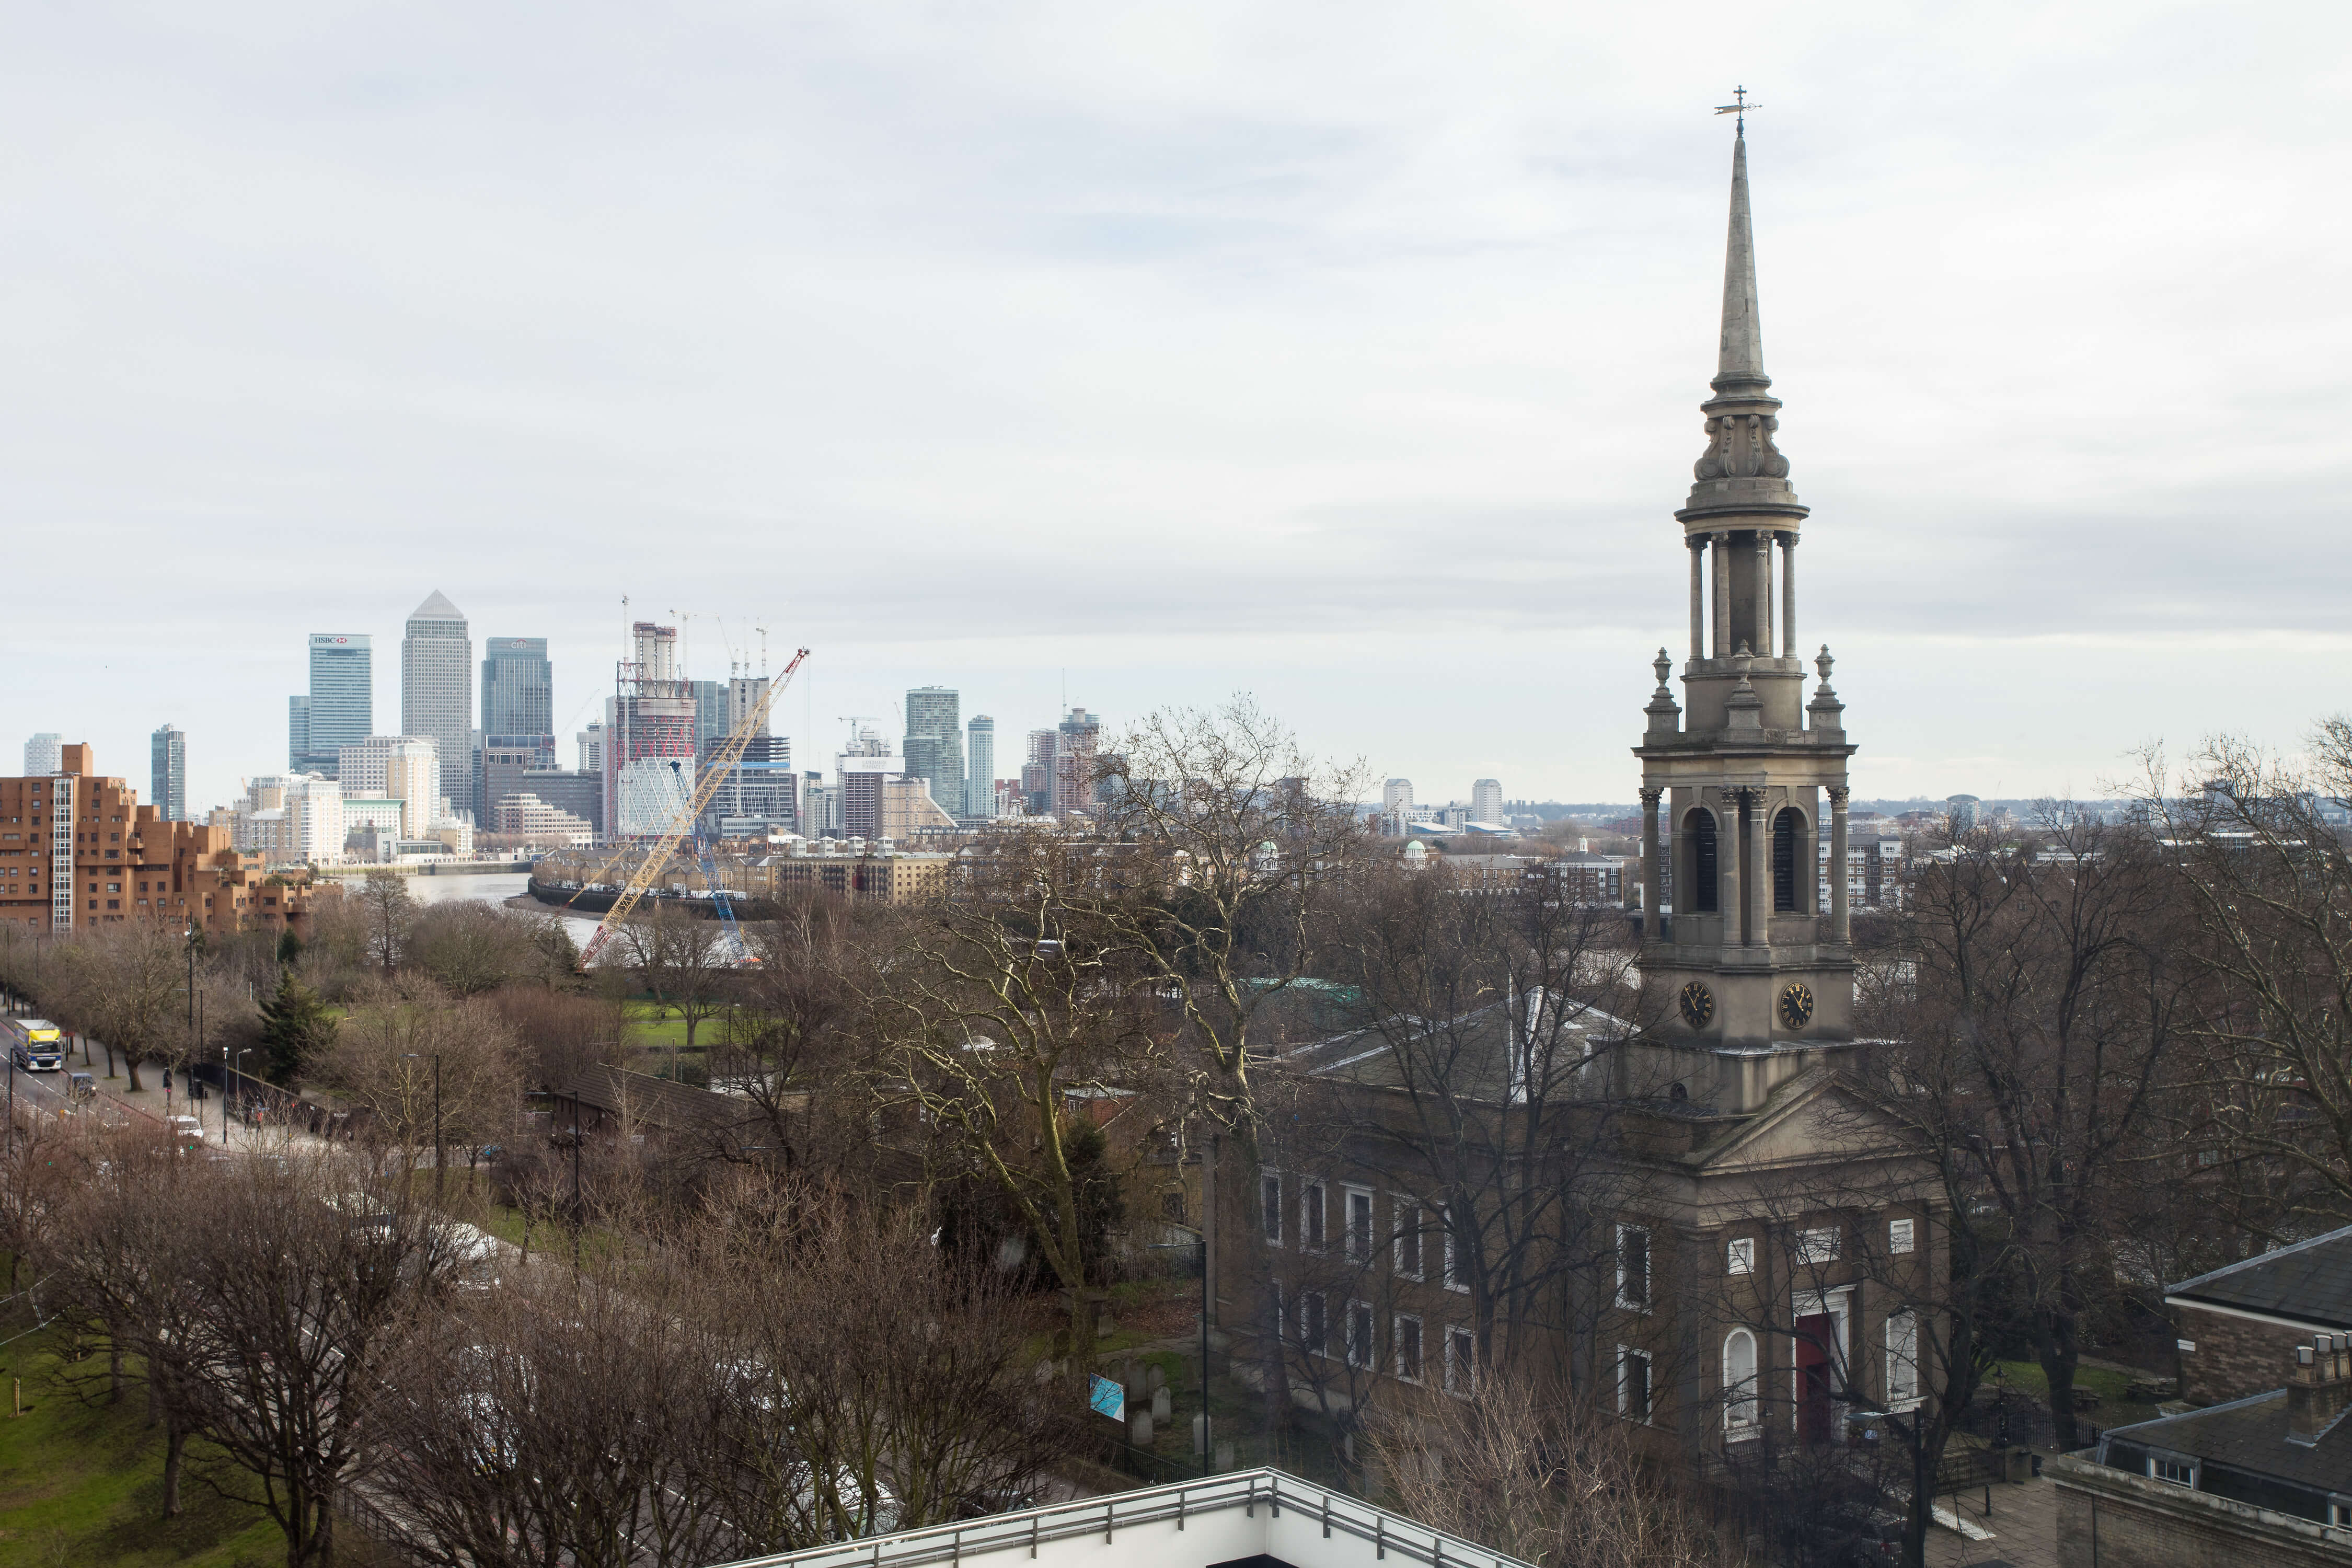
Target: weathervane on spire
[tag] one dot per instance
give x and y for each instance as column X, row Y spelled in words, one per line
column 1740, row 107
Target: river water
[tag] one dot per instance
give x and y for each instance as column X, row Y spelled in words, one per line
column 494, row 888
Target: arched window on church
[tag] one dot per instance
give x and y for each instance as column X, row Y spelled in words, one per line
column 1702, row 853
column 1739, row 1412
column 1788, row 837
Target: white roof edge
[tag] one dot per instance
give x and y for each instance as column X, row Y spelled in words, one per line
column 1334, row 1514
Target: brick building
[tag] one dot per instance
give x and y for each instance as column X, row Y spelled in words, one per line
column 2263, row 1473
column 78, row 850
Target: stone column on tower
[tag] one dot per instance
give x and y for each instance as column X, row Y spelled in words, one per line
column 1763, row 594
column 1697, row 598
column 1760, row 873
column 1840, row 920
column 1721, row 566
column 1788, row 595
column 1650, row 878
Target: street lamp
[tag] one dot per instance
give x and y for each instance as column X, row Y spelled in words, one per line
column 239, row 1072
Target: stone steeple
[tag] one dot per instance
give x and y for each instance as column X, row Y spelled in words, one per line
column 1745, row 783
column 1742, row 471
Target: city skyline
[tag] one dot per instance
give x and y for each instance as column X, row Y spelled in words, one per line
column 1231, row 375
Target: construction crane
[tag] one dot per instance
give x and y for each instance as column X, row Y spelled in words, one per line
column 723, row 762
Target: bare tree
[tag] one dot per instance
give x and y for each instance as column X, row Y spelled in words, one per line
column 1549, row 1480
column 680, row 958
column 572, row 1418
column 1000, row 1011
column 881, row 1385
column 427, row 1067
column 128, row 985
column 389, row 911
column 2269, row 876
column 469, row 947
column 304, row 1282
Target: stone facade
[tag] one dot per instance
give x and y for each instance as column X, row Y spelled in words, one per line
column 2107, row 1519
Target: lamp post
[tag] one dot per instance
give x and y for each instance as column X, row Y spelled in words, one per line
column 239, row 1072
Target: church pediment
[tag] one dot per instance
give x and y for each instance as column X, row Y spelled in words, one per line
column 1818, row 1115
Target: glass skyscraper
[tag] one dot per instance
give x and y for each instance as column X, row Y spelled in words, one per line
column 341, row 709
column 437, row 692
column 518, row 687
column 934, row 748
column 979, row 766
column 169, row 774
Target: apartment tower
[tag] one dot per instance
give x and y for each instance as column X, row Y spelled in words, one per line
column 168, row 773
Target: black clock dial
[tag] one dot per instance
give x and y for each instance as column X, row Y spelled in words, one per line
column 1697, row 1005
column 1796, row 1004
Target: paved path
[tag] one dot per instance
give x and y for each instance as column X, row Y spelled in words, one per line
column 2024, row 1525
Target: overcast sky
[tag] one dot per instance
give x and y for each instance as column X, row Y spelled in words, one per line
column 1347, row 353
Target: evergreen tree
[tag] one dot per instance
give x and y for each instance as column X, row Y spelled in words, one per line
column 295, row 1027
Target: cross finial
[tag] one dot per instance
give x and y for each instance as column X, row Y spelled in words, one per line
column 1739, row 106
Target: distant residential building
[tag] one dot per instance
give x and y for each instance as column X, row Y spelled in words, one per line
column 820, row 806
column 710, row 724
column 592, row 748
column 979, row 767
column 517, row 688
column 1037, row 772
column 906, row 805
column 41, row 753
column 291, row 820
column 1075, row 743
column 532, row 819
column 500, row 764
column 760, row 787
column 411, row 775
column 371, row 828
column 1486, row 801
column 107, row 858
column 1873, row 873
column 436, row 691
column 1396, row 797
column 1453, row 814
column 1963, row 813
column 364, row 766
column 579, row 793
column 341, row 705
column 934, row 744
column 168, row 773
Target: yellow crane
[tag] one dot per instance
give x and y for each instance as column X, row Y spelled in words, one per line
column 723, row 762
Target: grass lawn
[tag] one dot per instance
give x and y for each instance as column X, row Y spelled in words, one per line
column 2113, row 1409
column 83, row 1484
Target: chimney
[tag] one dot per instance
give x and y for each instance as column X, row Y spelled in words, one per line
column 2320, row 1388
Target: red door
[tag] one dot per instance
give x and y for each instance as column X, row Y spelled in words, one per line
column 1815, row 1335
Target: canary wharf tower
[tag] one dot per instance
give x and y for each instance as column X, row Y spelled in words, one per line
column 1741, row 781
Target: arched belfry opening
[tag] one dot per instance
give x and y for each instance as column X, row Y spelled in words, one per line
column 1788, row 861
column 1700, row 826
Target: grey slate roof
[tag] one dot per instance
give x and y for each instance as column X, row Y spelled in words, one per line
column 2309, row 1282
column 2249, row 1434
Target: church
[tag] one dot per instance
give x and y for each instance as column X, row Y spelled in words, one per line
column 1683, row 1206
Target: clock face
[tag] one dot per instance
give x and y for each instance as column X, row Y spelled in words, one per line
column 1697, row 1005
column 1796, row 1004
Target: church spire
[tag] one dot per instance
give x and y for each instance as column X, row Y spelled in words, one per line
column 1742, row 472
column 1741, row 362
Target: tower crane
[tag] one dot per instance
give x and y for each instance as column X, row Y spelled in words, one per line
column 657, row 856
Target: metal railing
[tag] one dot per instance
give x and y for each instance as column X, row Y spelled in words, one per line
column 1387, row 1533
